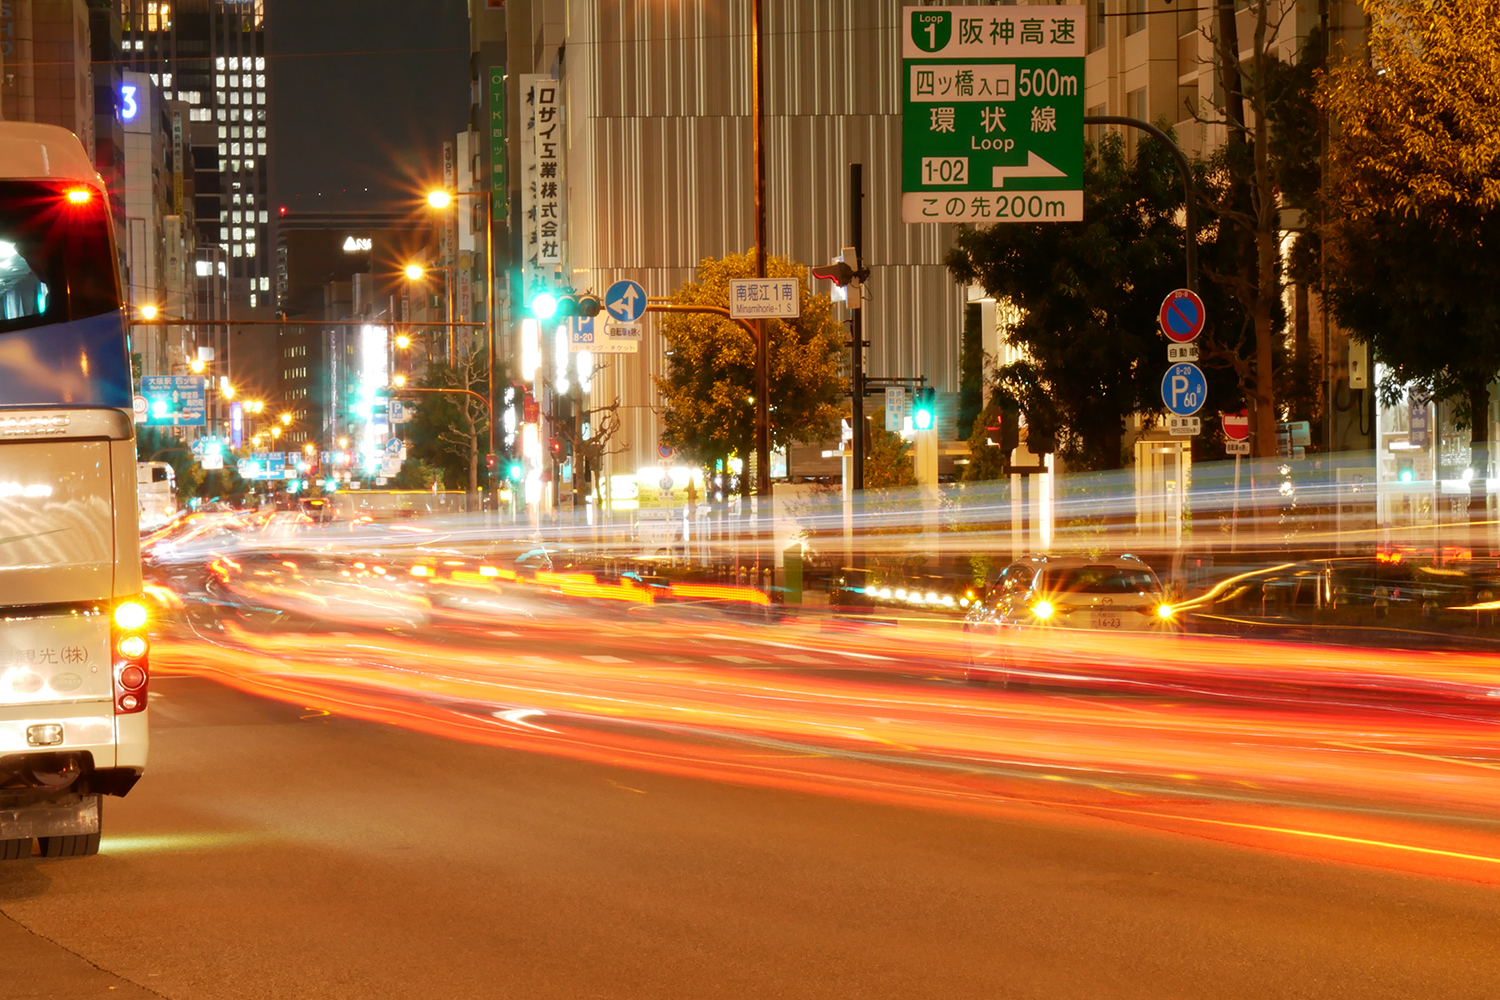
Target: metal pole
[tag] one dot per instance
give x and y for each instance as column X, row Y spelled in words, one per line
column 1190, row 215
column 762, row 349
column 857, row 325
column 489, row 330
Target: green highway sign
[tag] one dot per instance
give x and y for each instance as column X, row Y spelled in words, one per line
column 992, row 114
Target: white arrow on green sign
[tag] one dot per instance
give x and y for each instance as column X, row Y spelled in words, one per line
column 992, row 114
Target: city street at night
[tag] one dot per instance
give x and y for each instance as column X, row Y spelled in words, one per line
column 749, row 499
column 342, row 857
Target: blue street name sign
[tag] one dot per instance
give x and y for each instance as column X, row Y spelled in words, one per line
column 1184, row 389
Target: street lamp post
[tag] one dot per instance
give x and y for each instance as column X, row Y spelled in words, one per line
column 416, row 272
column 441, row 198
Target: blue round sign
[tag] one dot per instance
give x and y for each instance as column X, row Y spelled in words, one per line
column 625, row 301
column 1184, row 389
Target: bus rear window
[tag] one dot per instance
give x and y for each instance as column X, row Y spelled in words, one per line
column 56, row 256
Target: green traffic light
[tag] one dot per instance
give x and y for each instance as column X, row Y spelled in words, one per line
column 544, row 306
column 515, row 471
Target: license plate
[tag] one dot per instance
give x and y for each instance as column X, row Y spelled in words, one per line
column 1105, row 619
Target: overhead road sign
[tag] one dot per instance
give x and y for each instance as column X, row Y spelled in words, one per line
column 1184, row 389
column 174, row 400
column 1182, row 316
column 992, row 114
column 765, row 298
column 625, row 301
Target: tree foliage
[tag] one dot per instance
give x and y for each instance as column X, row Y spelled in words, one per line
column 1088, row 294
column 1414, row 200
column 888, row 461
column 450, row 429
column 709, row 385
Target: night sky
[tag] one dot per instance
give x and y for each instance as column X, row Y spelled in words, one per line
column 363, row 130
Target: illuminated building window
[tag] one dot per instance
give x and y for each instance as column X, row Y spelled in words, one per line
column 260, row 149
column 234, row 217
column 238, row 232
column 219, row 63
column 260, row 98
column 234, row 62
column 236, row 250
column 234, row 81
column 223, row 149
column 223, row 114
column 260, row 80
column 219, row 79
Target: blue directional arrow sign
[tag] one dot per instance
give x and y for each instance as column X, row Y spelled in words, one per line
column 1184, row 389
column 625, row 301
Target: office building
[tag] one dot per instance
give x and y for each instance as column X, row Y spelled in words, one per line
column 211, row 56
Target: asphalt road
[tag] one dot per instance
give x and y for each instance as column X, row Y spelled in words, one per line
column 273, row 852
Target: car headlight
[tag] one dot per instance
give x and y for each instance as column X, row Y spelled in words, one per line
column 1165, row 611
column 1043, row 609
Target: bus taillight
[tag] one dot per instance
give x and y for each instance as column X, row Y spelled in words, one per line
column 79, row 196
column 131, row 649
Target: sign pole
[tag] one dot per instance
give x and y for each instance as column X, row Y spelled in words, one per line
column 857, row 324
column 762, row 349
column 1234, row 514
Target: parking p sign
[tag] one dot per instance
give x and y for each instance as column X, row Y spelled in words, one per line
column 1184, row 389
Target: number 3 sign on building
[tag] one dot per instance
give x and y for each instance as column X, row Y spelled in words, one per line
column 992, row 114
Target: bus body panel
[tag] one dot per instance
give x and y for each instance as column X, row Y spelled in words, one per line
column 73, row 678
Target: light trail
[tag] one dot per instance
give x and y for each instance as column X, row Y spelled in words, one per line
column 1398, row 789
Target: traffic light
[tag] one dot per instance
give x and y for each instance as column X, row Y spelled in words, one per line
column 589, row 305
column 838, row 272
column 514, row 472
column 543, row 306
column 489, row 462
column 923, row 412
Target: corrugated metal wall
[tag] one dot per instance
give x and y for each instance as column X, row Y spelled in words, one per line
column 661, row 171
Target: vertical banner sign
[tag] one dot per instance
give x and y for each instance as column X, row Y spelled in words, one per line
column 531, row 281
column 177, row 128
column 499, row 193
column 465, row 278
column 549, row 172
column 447, row 236
column 992, row 114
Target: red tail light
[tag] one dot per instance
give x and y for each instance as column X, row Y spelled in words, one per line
column 130, row 650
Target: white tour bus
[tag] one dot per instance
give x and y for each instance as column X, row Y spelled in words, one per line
column 73, row 643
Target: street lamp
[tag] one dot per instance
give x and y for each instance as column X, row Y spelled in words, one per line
column 416, row 272
column 148, row 313
column 441, row 199
column 196, row 366
column 403, row 341
column 286, row 420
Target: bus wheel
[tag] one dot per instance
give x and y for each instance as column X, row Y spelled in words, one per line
column 80, row 845
column 15, row 850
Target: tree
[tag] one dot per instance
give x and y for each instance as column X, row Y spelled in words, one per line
column 450, row 429
column 888, row 462
column 1414, row 203
column 1088, row 294
column 1245, row 259
column 708, row 390
column 591, row 435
